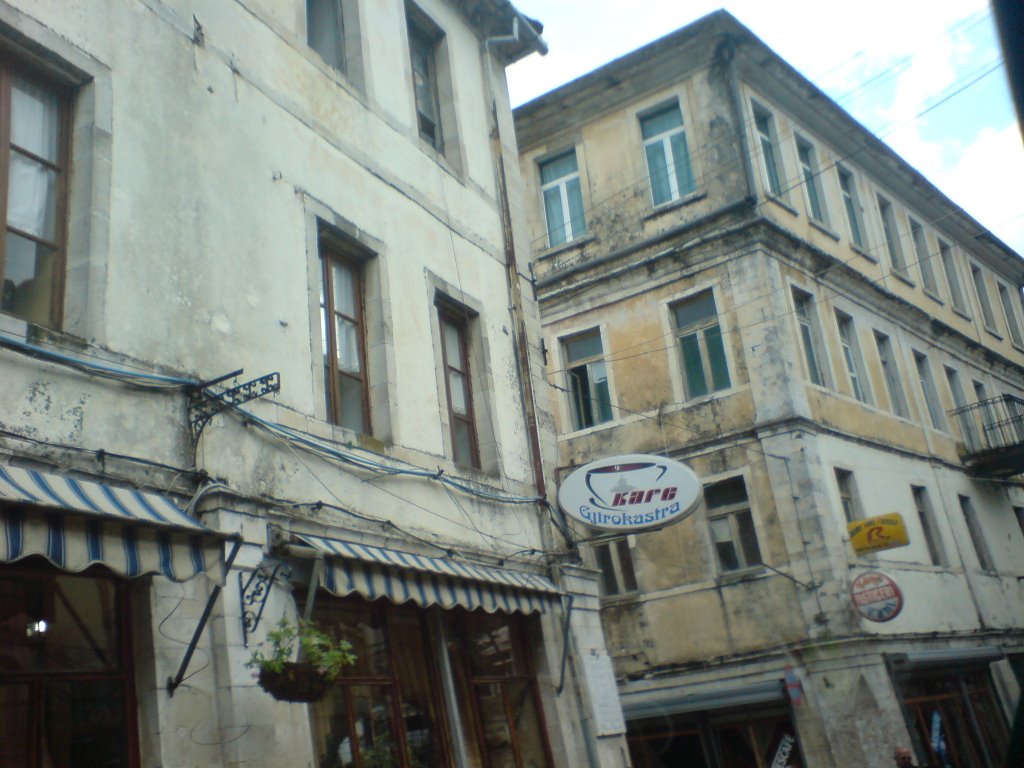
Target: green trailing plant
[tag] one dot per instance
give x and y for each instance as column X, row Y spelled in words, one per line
column 315, row 647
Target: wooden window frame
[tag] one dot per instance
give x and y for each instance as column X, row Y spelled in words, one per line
column 702, row 329
column 424, row 40
column 333, row 252
column 849, row 342
column 61, row 168
column 807, row 156
column 732, row 514
column 459, row 319
column 851, row 202
column 849, row 498
column 677, row 190
column 929, row 526
column 811, row 340
column 891, row 233
column 891, row 375
column 771, row 161
column 578, row 409
column 618, row 573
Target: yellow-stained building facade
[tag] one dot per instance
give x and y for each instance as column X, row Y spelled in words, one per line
column 735, row 274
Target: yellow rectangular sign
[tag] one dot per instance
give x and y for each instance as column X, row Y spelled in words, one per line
column 878, row 533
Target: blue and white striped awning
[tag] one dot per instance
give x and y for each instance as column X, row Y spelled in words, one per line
column 77, row 523
column 376, row 572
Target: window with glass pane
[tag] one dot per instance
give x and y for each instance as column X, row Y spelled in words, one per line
column 810, row 336
column 977, row 533
column 589, row 393
column 848, row 495
column 668, row 158
column 388, row 700
column 926, row 517
column 931, row 395
column 891, row 374
column 1012, row 321
column 732, row 525
column 423, row 44
column 32, row 252
column 490, row 659
column 615, row 562
column 956, row 293
column 455, row 351
column 812, row 185
column 981, row 289
column 765, row 127
column 852, row 356
column 892, row 236
column 924, row 258
column 325, row 31
column 968, row 427
column 65, row 677
column 989, row 421
column 700, row 343
column 851, row 202
column 563, row 198
column 343, row 337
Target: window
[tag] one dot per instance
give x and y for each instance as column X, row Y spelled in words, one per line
column 588, row 380
column 968, row 429
column 668, row 158
column 852, row 356
column 66, row 690
column 616, row 565
column 424, row 40
column 956, row 293
column 891, row 374
column 454, row 324
column 765, row 127
column 892, row 237
column 989, row 420
column 931, row 395
column 851, row 202
column 848, row 497
column 809, row 169
column 732, row 525
column 1018, row 512
column 332, row 30
column 391, row 708
column 977, row 534
column 924, row 258
column 36, row 153
column 563, row 198
column 981, row 290
column 1012, row 322
column 700, row 343
column 926, row 516
column 810, row 336
column 343, row 335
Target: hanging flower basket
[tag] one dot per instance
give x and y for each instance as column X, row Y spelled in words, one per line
column 308, row 680
column 297, row 681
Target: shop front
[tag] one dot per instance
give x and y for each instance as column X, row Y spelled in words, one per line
column 69, row 550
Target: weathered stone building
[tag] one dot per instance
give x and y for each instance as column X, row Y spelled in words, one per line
column 311, row 195
column 733, row 273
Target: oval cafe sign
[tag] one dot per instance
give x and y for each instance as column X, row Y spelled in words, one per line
column 876, row 597
column 635, row 492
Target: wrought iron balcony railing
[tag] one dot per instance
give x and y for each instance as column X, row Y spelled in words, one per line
column 993, row 435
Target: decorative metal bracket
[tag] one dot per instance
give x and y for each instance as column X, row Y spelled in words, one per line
column 253, row 593
column 204, row 405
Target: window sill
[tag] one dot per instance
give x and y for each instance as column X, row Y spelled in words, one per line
column 554, row 250
column 621, row 598
column 902, row 277
column 994, row 334
column 672, row 205
column 13, row 326
column 933, row 296
column 752, row 573
column 962, row 313
column 574, row 433
column 861, row 252
column 824, row 229
column 781, row 203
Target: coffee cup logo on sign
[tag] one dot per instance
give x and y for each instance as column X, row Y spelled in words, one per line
column 630, row 493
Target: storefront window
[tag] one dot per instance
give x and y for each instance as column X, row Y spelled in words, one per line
column 957, row 719
column 714, row 740
column 388, row 709
column 65, row 690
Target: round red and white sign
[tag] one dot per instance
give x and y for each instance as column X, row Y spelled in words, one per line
column 876, row 597
column 635, row 492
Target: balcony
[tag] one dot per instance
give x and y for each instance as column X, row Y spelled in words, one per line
column 993, row 435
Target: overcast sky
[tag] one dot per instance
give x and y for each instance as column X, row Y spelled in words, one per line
column 885, row 61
